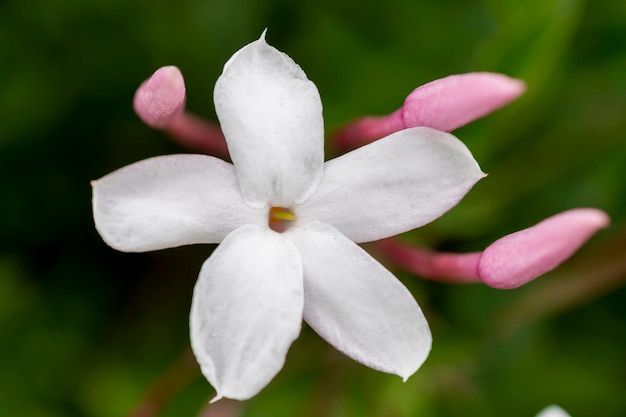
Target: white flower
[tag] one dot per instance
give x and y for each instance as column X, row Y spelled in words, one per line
column 286, row 223
column 553, row 411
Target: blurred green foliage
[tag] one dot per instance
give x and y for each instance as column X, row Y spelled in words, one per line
column 87, row 331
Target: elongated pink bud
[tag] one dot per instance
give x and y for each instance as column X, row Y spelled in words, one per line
column 509, row 262
column 445, row 104
column 161, row 97
column 451, row 102
column 522, row 256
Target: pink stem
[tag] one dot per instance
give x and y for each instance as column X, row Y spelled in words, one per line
column 196, row 133
column 438, row 266
column 366, row 130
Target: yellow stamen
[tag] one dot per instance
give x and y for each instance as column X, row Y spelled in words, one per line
column 280, row 218
column 282, row 215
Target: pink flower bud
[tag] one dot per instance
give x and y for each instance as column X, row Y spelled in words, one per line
column 444, row 104
column 451, row 102
column 161, row 97
column 522, row 256
column 509, row 262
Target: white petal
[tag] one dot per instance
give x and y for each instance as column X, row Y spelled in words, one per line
column 246, row 311
column 393, row 185
column 553, row 411
column 271, row 115
column 357, row 305
column 170, row 201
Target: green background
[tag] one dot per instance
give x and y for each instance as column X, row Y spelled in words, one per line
column 88, row 331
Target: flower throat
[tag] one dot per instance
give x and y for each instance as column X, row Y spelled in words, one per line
column 280, row 219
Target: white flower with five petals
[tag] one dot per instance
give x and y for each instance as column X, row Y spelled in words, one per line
column 287, row 225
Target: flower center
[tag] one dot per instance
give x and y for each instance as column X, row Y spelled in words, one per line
column 280, row 218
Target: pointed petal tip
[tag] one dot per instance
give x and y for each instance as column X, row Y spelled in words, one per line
column 520, row 257
column 161, row 97
column 261, row 42
column 215, row 399
column 409, row 373
column 422, row 355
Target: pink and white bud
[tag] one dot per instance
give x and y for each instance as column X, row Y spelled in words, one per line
column 522, row 256
column 445, row 104
column 161, row 98
column 509, row 262
column 449, row 103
